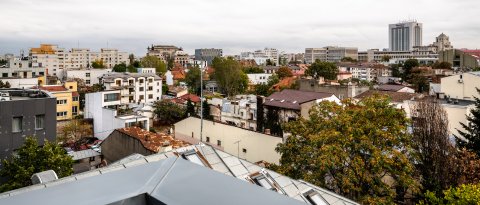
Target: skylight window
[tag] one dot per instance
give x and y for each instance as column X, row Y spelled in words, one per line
column 264, row 180
column 194, row 157
column 314, row 198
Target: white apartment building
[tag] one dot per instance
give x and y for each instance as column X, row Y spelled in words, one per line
column 330, row 54
column 258, row 78
column 404, row 36
column 368, row 72
column 261, row 56
column 259, row 60
column 90, row 76
column 462, row 86
column 134, row 87
column 146, row 70
column 20, row 68
column 240, row 112
column 102, row 108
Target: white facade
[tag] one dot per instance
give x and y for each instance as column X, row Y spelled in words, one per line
column 259, row 78
column 330, row 54
column 248, row 145
column 101, row 107
column 90, row 76
column 241, row 112
column 461, row 86
column 19, row 68
column 134, row 87
column 146, row 70
column 405, row 35
column 169, row 78
column 21, row 82
column 261, row 56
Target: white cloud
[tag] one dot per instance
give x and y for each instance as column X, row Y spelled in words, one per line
column 231, row 25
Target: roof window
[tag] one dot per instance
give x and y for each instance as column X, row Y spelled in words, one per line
column 314, row 198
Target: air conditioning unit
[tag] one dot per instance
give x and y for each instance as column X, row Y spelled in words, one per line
column 460, row 80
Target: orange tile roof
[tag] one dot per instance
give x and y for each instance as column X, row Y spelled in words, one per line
column 192, row 97
column 55, row 88
column 152, row 141
column 285, row 83
column 178, row 74
column 75, row 94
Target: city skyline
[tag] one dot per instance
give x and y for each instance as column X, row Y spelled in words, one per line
column 232, row 26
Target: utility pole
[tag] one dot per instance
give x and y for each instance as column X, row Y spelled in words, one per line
column 201, row 102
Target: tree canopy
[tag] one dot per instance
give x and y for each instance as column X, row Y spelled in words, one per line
column 284, row 72
column 319, row 69
column 98, row 64
column 408, row 66
column 30, row 159
column 442, row 65
column 192, row 78
column 154, row 62
column 253, row 69
column 229, row 76
column 120, row 68
column 470, row 138
column 463, row 194
column 352, row 149
column 168, row 112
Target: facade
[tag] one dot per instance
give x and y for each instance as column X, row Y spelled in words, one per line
column 364, row 71
column 89, row 76
column 461, row 86
column 258, row 78
column 461, row 58
column 104, row 108
column 208, row 54
column 342, row 91
column 240, row 112
column 261, row 56
column 21, row 68
column 248, row 145
column 442, row 43
column 134, row 87
column 163, row 52
column 85, row 160
column 330, row 54
column 25, row 113
column 404, row 36
column 68, row 104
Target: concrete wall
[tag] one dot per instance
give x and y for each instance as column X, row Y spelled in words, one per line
column 258, row 146
column 461, row 90
column 27, row 109
column 118, row 145
column 20, row 82
column 456, row 115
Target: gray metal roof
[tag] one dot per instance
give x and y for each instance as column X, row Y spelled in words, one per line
column 171, row 180
column 83, row 154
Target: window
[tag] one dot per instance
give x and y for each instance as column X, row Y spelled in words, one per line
column 4, row 75
column 150, row 80
column 70, row 87
column 87, row 82
column 61, row 102
column 92, row 159
column 150, row 96
column 194, row 157
column 111, row 97
column 87, row 74
column 74, row 110
column 208, row 139
column 39, row 122
column 17, row 123
column 141, row 88
column 62, row 114
column 264, row 180
column 314, row 198
column 150, row 88
column 75, row 98
column 219, row 143
column 244, row 150
column 141, row 97
column 140, row 81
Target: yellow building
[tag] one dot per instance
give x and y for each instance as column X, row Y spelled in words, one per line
column 67, row 99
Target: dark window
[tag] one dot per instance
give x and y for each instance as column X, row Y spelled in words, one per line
column 39, row 122
column 208, row 139
column 219, row 143
column 111, row 97
column 17, row 123
column 244, row 150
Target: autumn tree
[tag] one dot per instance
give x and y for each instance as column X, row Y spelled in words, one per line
column 352, row 149
column 32, row 158
column 435, row 153
column 154, row 62
column 98, row 64
column 75, row 130
column 284, row 72
column 168, row 112
column 470, row 137
column 229, row 76
column 319, row 69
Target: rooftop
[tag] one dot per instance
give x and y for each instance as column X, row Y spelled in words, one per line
column 23, row 94
column 291, row 99
column 388, row 87
column 53, row 88
column 110, row 77
column 197, row 174
column 394, row 96
column 152, row 141
column 83, row 154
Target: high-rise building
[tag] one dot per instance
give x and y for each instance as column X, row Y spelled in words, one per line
column 208, row 54
column 404, row 36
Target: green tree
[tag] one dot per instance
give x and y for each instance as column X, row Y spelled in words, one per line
column 136, row 64
column 98, row 64
column 396, row 70
column 170, row 63
column 319, row 68
column 386, row 58
column 168, row 113
column 408, row 66
column 229, row 76
column 265, row 89
column 74, row 130
column 30, row 159
column 442, row 65
column 464, row 194
column 470, row 138
column 284, row 72
column 132, row 69
column 206, row 111
column 131, row 58
column 269, row 63
column 192, row 78
column 348, row 59
column 154, row 62
column 98, row 87
column 251, row 70
column 120, row 68
column 351, row 149
column 190, row 111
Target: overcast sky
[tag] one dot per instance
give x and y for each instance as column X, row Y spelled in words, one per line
column 234, row 25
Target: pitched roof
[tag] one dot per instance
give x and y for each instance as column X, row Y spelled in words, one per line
column 138, row 175
column 75, row 94
column 192, row 97
column 291, row 99
column 53, row 88
column 393, row 88
column 152, row 141
column 394, row 96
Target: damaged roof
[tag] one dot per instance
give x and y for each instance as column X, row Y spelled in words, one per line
column 152, row 141
column 292, row 99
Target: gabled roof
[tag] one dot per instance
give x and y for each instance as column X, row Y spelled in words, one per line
column 192, row 97
column 393, row 88
column 170, row 179
column 292, row 99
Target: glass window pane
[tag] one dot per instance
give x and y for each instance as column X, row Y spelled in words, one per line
column 194, row 158
column 264, row 183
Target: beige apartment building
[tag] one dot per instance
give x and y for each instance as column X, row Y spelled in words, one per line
column 330, row 54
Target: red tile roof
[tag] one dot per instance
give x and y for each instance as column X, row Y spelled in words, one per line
column 152, row 141
column 75, row 94
column 192, row 97
column 54, row 88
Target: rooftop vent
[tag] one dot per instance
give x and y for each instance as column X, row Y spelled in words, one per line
column 44, row 177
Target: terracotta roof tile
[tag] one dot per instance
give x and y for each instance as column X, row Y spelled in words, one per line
column 152, row 141
column 55, row 88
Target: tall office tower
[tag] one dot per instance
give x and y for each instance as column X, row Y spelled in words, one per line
column 404, row 36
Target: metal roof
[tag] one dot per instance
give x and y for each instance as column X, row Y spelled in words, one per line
column 83, row 154
column 168, row 178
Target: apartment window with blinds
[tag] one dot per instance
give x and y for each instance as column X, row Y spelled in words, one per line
column 111, row 97
column 39, row 122
column 17, row 124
